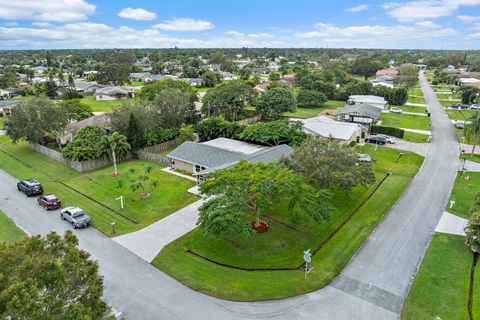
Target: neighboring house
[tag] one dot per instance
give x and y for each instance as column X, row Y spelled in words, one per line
column 259, row 70
column 359, row 113
column 22, row 77
column 376, row 101
column 138, row 76
column 102, row 121
column 86, row 73
column 221, row 153
column 386, row 72
column 228, row 76
column 386, row 81
column 114, row 93
column 4, row 94
column 39, row 69
column 193, row 81
column 86, row 86
column 468, row 81
column 323, row 126
column 7, row 106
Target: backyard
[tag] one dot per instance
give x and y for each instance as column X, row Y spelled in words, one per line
column 96, row 191
column 405, row 121
column 313, row 112
column 281, row 247
column 100, row 106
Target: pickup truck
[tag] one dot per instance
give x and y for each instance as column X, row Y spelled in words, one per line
column 76, row 217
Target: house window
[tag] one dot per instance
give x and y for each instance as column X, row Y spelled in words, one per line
column 197, row 168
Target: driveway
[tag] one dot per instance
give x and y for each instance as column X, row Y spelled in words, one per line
column 418, row 148
column 372, row 286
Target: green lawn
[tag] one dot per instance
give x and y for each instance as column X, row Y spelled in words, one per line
column 464, row 192
column 460, row 114
column 440, row 290
column 170, row 196
column 405, row 121
column 9, row 232
column 416, row 109
column 100, row 106
column 312, row 112
column 283, row 244
column 415, row 92
column 415, row 137
column 416, row 100
column 475, row 157
column 447, row 104
column 2, row 122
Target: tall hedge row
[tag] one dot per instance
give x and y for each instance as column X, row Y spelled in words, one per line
column 391, row 131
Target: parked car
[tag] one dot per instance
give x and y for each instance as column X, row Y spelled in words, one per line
column 76, row 217
column 389, row 139
column 460, row 106
column 30, row 187
column 49, row 202
column 396, row 110
column 460, row 124
column 475, row 107
column 376, row 140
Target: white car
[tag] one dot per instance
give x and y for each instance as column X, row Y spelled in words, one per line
column 395, row 110
column 389, row 139
column 475, row 107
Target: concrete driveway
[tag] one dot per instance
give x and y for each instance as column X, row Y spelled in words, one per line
column 372, row 286
column 418, row 148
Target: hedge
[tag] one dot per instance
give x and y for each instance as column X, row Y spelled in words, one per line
column 391, row 131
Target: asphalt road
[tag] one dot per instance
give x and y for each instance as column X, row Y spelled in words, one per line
column 373, row 286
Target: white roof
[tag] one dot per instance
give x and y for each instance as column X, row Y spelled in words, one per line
column 234, row 145
column 468, row 80
column 367, row 99
column 326, row 127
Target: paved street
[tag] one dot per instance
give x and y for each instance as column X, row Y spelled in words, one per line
column 373, row 286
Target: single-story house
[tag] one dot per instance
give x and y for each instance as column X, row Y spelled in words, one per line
column 325, row 127
column 39, row 69
column 376, row 101
column 114, row 93
column 137, row 76
column 86, row 86
column 221, row 153
column 259, row 70
column 359, row 113
column 102, row 121
column 386, row 72
column 193, row 81
column 386, row 81
column 4, row 94
column 468, row 81
column 228, row 76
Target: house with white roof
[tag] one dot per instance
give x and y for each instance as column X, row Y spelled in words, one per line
column 375, row 101
column 325, row 127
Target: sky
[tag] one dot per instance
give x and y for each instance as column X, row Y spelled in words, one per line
column 71, row 24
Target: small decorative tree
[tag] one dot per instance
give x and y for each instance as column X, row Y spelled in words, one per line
column 140, row 182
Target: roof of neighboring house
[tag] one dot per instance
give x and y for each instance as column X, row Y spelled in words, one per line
column 102, row 121
column 112, row 91
column 326, row 127
column 367, row 99
column 387, row 72
column 223, row 153
column 365, row 109
column 82, row 85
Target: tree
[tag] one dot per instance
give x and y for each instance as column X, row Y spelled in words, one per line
column 186, row 133
column 172, row 108
column 84, row 146
column 354, row 88
column 8, row 78
column 76, row 110
column 275, row 102
column 244, row 73
column 150, row 91
column 140, row 182
column 58, row 134
column 32, row 120
column 407, row 75
column 472, row 229
column 472, row 130
column 48, row 278
column 310, row 98
column 115, row 73
column 274, row 76
column 238, row 197
column 228, row 100
column 215, row 127
column 211, row 79
column 327, row 163
column 135, row 135
column 470, row 94
column 365, row 66
column 274, row 133
column 113, row 146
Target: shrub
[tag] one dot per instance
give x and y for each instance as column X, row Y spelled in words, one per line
column 84, row 145
column 310, row 98
column 391, row 131
column 163, row 135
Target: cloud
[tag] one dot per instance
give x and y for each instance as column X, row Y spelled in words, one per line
column 10, row 24
column 137, row 14
column 468, row 19
column 428, row 24
column 359, row 8
column 425, row 9
column 41, row 24
column 184, row 24
column 46, row 10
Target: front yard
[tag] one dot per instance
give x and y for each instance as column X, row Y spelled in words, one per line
column 95, row 192
column 464, row 192
column 203, row 260
column 405, row 121
column 9, row 232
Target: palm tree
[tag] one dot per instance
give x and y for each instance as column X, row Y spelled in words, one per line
column 472, row 129
column 113, row 146
column 58, row 134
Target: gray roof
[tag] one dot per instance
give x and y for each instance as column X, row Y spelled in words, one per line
column 204, row 155
column 213, row 158
column 365, row 109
